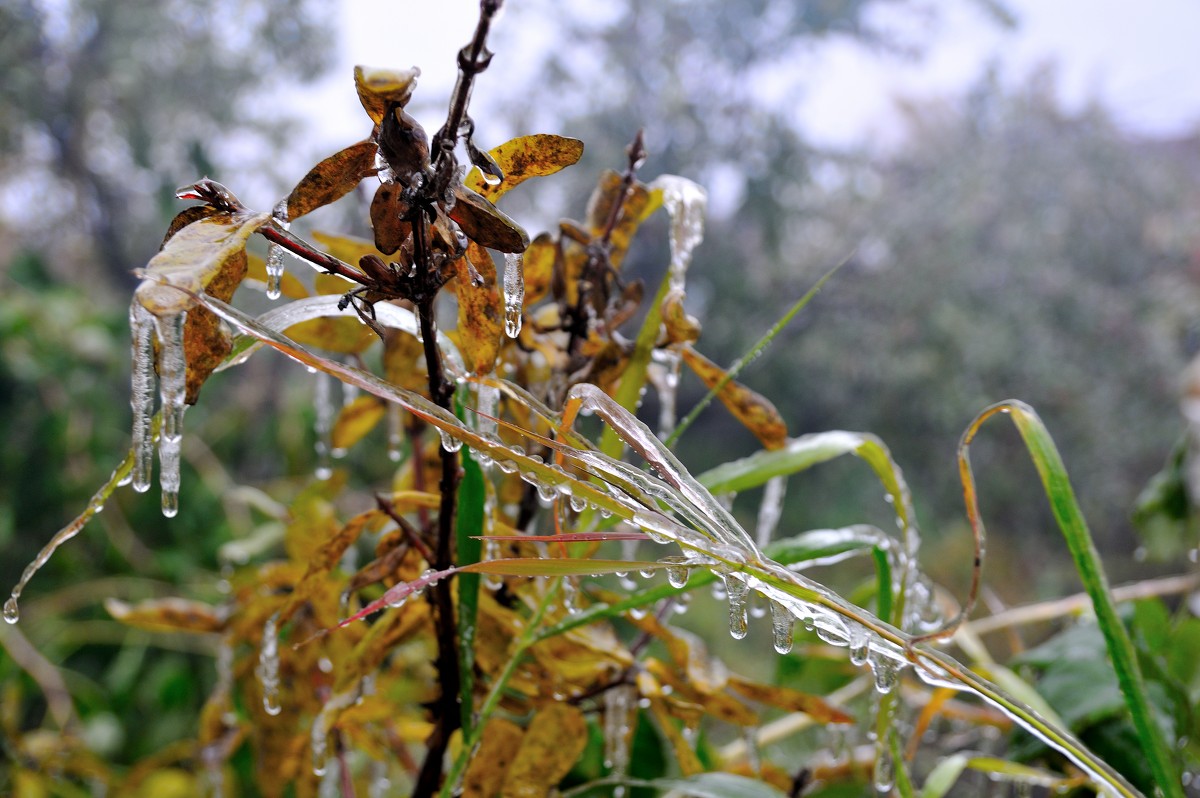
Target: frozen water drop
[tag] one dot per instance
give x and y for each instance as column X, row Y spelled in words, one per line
column 781, row 627
column 12, row 612
column 886, row 672
column 449, row 442
column 885, row 775
column 514, row 294
column 859, row 646
column 170, row 503
column 268, row 666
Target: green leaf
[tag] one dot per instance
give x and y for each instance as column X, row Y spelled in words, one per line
column 943, row 776
column 469, row 525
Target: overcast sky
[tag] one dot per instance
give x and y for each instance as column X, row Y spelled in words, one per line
column 1140, row 59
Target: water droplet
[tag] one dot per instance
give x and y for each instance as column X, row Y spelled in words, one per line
column 12, row 612
column 449, row 442
column 859, row 647
column 886, row 672
column 170, row 504
column 677, row 571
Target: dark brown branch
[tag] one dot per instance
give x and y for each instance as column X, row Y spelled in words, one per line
column 472, row 59
column 410, row 533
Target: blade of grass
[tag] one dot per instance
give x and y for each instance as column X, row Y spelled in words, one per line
column 743, row 361
column 1070, row 520
column 469, row 550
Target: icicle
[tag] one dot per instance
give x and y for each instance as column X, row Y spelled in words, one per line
column 172, row 373
column 859, row 645
column 323, row 403
column 781, row 627
column 514, row 294
column 570, row 594
column 268, row 666
column 737, row 591
column 770, row 510
column 618, row 703
column 141, row 400
column 487, row 399
column 395, row 431
column 323, row 722
column 885, row 768
column 886, row 671
column 380, row 785
column 275, row 252
column 686, row 203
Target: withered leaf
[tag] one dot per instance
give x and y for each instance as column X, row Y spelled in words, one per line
column 525, row 157
column 755, row 411
column 355, row 420
column 685, row 755
column 639, row 203
column 681, row 327
column 386, row 211
column 167, row 615
column 206, row 255
column 485, row 224
column 332, row 179
column 538, row 266
column 379, row 88
column 489, row 765
column 786, row 698
column 555, row 738
column 480, row 311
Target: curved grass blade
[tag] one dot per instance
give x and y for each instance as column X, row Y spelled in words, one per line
column 1070, row 520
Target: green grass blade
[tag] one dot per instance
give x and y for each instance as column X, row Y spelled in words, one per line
column 469, row 549
column 1070, row 520
column 754, row 351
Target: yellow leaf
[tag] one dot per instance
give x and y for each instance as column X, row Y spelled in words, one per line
column 525, row 157
column 480, row 311
column 332, row 179
column 348, row 249
column 538, row 266
column 167, row 615
column 754, row 411
column 681, row 327
column 378, row 88
column 499, row 744
column 685, row 755
column 333, row 333
column 355, row 420
column 639, row 203
column 555, row 738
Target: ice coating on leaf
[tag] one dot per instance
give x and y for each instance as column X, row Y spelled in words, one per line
column 487, row 399
column 141, row 400
column 268, row 666
column 323, row 424
column 618, row 704
column 686, row 202
column 514, row 293
column 782, row 624
column 771, row 509
column 315, row 307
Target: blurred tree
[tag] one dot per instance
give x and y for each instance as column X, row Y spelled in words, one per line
column 1008, row 250
column 106, row 106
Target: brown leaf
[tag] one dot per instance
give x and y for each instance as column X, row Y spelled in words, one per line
column 553, row 742
column 386, row 211
column 499, row 744
column 355, row 420
column 480, row 311
column 332, row 179
column 379, row 88
column 525, row 157
column 786, row 698
column 486, row 224
column 637, row 207
column 754, row 411
column 167, row 615
column 206, row 255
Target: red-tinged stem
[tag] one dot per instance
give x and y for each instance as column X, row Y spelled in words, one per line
column 301, row 249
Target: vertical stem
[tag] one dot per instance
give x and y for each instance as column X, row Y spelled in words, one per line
column 446, row 711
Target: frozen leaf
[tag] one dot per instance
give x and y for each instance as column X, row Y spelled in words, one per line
column 553, row 742
column 167, row 615
column 355, row 420
column 379, row 88
column 485, row 224
column 480, row 311
column 489, row 765
column 332, row 179
column 208, row 255
column 790, row 700
column 525, row 157
column 753, row 410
